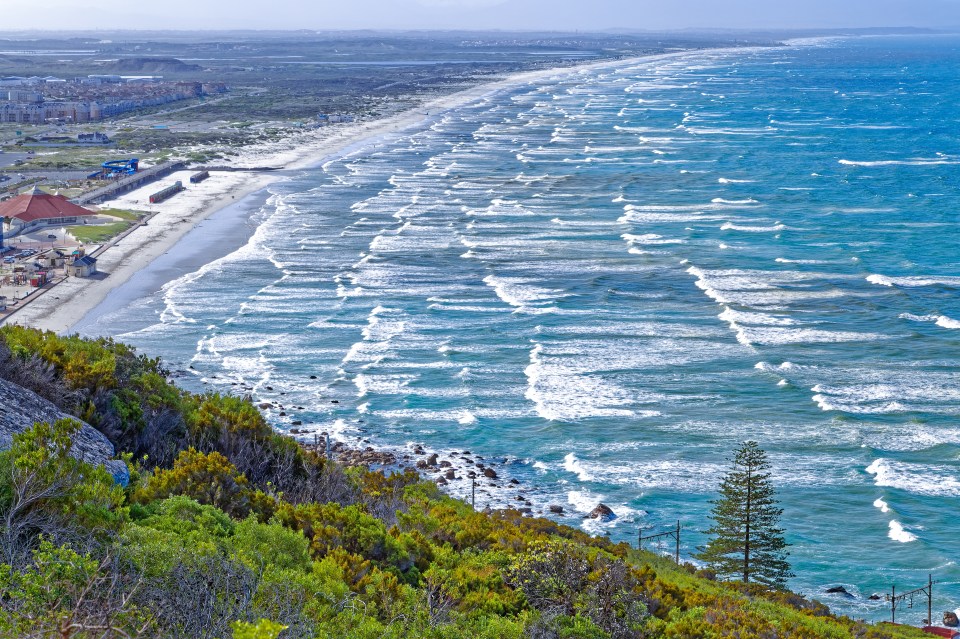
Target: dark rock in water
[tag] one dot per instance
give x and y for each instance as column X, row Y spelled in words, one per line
column 432, row 460
column 445, row 464
column 838, row 590
column 875, row 597
column 421, row 464
column 313, row 377
column 602, row 512
column 556, row 510
column 294, row 431
column 268, row 387
column 526, row 511
column 950, row 619
column 265, row 406
column 23, row 408
column 283, row 414
column 514, row 481
column 296, row 422
column 441, row 482
column 489, row 472
column 334, row 401
column 450, row 474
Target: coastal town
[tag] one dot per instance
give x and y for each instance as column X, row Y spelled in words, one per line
column 110, row 151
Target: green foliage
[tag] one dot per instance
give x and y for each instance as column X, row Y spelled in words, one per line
column 237, row 531
column 263, row 629
column 747, row 541
column 44, row 490
column 209, row 478
column 65, row 594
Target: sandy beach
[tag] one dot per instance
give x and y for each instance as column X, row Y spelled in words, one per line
column 61, row 307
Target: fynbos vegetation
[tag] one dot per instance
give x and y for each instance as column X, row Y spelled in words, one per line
column 228, row 529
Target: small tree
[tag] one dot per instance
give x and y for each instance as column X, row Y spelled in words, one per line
column 747, row 541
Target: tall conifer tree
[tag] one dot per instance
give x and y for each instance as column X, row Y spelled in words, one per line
column 747, row 542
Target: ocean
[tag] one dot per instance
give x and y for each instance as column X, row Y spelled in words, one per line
column 600, row 283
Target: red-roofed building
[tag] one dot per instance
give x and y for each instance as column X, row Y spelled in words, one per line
column 36, row 209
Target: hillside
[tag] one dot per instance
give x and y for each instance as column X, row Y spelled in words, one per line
column 228, row 529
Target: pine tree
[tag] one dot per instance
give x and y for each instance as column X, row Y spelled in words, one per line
column 747, row 542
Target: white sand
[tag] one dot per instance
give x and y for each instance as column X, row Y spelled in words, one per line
column 62, row 306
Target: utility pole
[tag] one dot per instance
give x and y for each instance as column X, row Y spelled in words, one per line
column 670, row 533
column 907, row 597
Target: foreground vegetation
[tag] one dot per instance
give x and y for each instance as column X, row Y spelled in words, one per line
column 227, row 529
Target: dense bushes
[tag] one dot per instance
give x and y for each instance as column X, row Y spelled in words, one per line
column 230, row 530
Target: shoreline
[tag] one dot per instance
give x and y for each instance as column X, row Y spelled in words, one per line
column 71, row 301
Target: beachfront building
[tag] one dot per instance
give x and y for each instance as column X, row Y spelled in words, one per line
column 83, row 266
column 37, row 209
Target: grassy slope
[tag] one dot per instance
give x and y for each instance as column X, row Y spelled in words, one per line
column 385, row 544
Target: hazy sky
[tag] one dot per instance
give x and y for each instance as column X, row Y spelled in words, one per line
column 486, row 14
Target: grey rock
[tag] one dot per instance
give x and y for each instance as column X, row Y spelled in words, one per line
column 950, row 619
column 602, row 512
column 839, row 590
column 20, row 409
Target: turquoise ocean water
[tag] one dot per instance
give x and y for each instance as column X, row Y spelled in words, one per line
column 603, row 282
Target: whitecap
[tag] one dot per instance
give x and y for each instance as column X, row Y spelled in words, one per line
column 730, row 226
column 899, row 533
column 913, row 281
column 573, row 465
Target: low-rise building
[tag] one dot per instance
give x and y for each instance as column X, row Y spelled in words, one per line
column 37, row 209
column 84, row 266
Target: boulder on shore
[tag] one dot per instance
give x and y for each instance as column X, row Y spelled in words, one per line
column 556, row 510
column 950, row 619
column 603, row 513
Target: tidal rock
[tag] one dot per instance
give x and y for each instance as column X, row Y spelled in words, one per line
column 875, row 597
column 450, row 474
column 603, row 513
column 838, row 590
column 489, row 472
column 445, row 464
column 265, row 405
column 556, row 510
column 950, row 619
column 432, row 460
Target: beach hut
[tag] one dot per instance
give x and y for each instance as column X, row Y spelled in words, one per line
column 84, row 266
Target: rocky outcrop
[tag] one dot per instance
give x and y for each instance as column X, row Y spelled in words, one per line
column 838, row 590
column 21, row 408
column 603, row 513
